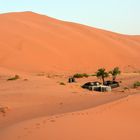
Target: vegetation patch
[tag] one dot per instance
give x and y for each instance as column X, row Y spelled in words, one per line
column 62, row 83
column 41, row 74
column 14, row 78
column 102, row 74
column 80, row 75
column 93, row 75
column 115, row 72
column 3, row 109
column 136, row 84
column 126, row 88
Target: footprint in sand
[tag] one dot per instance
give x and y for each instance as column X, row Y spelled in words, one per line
column 44, row 121
column 96, row 112
column 52, row 120
column 61, row 103
column 25, row 128
column 18, row 137
column 86, row 113
column 82, row 113
column 38, row 124
column 29, row 132
column 37, row 127
column 78, row 113
column 72, row 114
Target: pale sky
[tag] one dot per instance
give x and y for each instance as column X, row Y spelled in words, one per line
column 121, row 16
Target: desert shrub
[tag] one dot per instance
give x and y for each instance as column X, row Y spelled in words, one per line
column 62, row 83
column 80, row 75
column 14, row 78
column 126, row 88
column 3, row 109
column 93, row 75
column 136, row 84
column 41, row 74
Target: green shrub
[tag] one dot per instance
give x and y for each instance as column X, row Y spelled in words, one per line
column 136, row 84
column 62, row 83
column 93, row 75
column 80, row 75
column 126, row 88
column 14, row 78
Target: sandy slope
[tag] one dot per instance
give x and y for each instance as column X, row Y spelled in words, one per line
column 41, row 43
column 39, row 96
column 39, row 105
column 113, row 121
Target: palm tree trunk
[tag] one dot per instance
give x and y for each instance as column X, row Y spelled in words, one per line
column 103, row 80
column 114, row 78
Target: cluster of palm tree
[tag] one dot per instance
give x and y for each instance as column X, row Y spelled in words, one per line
column 102, row 73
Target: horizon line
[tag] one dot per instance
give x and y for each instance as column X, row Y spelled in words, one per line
column 43, row 14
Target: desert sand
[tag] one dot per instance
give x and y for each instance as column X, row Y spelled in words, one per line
column 44, row 52
column 113, row 121
column 38, row 107
column 42, row 43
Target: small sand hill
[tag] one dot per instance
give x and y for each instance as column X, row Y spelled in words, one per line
column 33, row 42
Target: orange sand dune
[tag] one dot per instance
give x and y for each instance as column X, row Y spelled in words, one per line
column 118, row 120
column 33, row 42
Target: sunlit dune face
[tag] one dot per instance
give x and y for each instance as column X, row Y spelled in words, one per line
column 32, row 42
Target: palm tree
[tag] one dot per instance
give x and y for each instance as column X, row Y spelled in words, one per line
column 101, row 73
column 116, row 71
